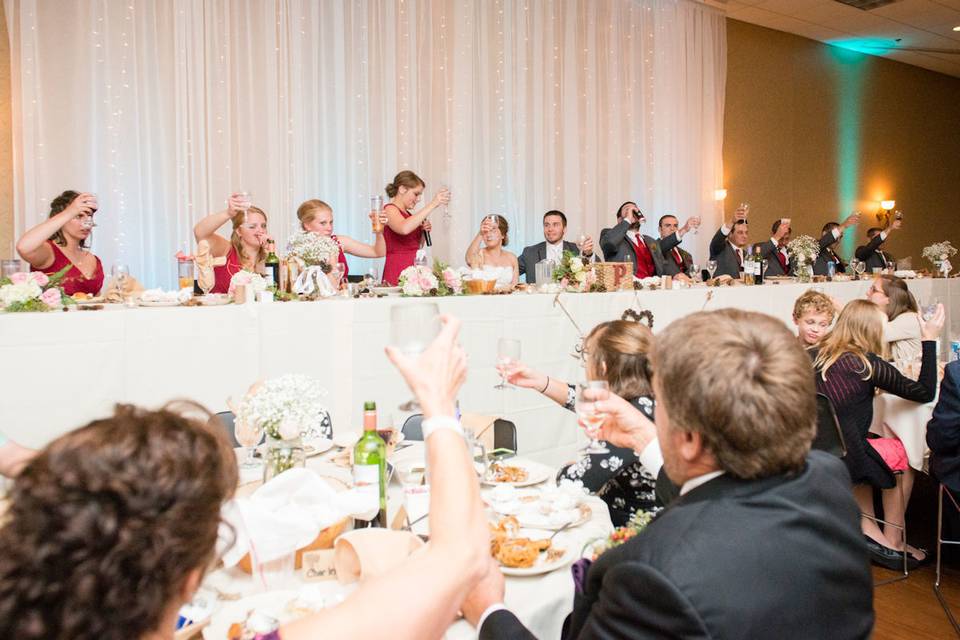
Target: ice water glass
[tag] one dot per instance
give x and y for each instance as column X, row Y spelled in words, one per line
column 413, row 327
column 588, row 394
column 508, row 353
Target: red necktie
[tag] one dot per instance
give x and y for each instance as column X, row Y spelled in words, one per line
column 677, row 257
column 782, row 259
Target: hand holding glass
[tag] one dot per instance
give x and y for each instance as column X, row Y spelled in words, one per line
column 508, row 353
column 412, row 328
column 588, row 394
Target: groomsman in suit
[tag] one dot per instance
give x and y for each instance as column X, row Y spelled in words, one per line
column 871, row 253
column 676, row 261
column 625, row 243
column 832, row 232
column 774, row 250
column 943, row 430
column 764, row 540
column 553, row 246
column 729, row 245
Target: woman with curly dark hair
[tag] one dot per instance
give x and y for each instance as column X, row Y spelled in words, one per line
column 112, row 526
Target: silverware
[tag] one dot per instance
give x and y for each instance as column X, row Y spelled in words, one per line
column 563, row 528
column 409, row 525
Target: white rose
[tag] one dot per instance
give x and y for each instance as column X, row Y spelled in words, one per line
column 411, row 289
column 289, row 429
column 12, row 293
column 581, row 277
column 576, row 266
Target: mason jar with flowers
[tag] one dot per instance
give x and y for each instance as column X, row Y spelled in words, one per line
column 289, row 410
column 803, row 252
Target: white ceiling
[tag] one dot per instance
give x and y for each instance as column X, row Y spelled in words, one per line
column 916, row 23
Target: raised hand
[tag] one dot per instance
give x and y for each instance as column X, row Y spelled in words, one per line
column 520, row 375
column 427, row 226
column 442, row 197
column 83, row 204
column 932, row 328
column 625, row 425
column 238, row 203
column 851, row 220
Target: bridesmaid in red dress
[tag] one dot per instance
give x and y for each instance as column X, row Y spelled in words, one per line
column 60, row 241
column 246, row 248
column 404, row 232
column 317, row 216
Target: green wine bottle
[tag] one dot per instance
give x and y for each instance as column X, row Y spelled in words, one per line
column 272, row 264
column 370, row 462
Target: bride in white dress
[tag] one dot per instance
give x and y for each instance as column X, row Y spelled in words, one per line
column 492, row 258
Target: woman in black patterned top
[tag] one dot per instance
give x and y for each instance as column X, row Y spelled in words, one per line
column 849, row 371
column 616, row 352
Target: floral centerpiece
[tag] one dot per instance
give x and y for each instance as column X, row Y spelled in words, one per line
column 574, row 273
column 34, row 291
column 638, row 522
column 939, row 254
column 418, row 280
column 288, row 409
column 803, row 252
column 254, row 282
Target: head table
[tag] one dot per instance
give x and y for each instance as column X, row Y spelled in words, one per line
column 61, row 370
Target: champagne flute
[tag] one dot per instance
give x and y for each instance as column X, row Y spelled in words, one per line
column 247, row 433
column 711, row 267
column 446, row 208
column 508, row 352
column 413, row 326
column 588, row 394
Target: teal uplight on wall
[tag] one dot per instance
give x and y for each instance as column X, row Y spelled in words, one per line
column 850, row 72
column 872, row 46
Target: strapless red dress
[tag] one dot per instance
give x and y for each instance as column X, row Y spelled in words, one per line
column 224, row 273
column 73, row 281
column 401, row 249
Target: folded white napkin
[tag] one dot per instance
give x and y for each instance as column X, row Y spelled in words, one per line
column 294, row 506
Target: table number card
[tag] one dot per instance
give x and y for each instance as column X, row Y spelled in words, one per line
column 318, row 565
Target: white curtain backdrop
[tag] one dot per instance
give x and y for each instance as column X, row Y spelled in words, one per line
column 163, row 107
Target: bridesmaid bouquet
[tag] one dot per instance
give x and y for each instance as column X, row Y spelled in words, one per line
column 449, row 280
column 35, row 291
column 417, row 281
column 574, row 273
column 313, row 250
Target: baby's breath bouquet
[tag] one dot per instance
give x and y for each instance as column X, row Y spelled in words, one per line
column 287, row 407
column 314, row 250
column 939, row 254
column 804, row 249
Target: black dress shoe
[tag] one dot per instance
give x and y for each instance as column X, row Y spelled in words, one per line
column 887, row 557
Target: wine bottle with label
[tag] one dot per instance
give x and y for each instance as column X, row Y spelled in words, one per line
column 272, row 264
column 757, row 265
column 747, row 267
column 370, row 463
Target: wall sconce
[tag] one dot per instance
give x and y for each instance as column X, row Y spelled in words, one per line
column 885, row 207
column 721, row 194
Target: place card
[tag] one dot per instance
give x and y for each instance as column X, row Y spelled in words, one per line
column 318, row 565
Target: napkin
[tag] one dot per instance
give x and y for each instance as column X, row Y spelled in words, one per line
column 205, row 262
column 481, row 426
column 114, row 293
column 295, row 505
column 366, row 553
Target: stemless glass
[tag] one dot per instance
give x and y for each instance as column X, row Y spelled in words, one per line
column 928, row 309
column 376, row 207
column 711, row 267
column 247, row 433
column 508, row 352
column 373, row 277
column 121, row 275
column 421, row 258
column 245, row 203
column 588, row 394
column 413, row 327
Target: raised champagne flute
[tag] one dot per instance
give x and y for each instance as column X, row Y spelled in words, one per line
column 508, row 354
column 413, row 326
column 447, row 217
column 711, row 267
column 588, row 394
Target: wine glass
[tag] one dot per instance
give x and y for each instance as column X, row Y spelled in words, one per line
column 413, row 327
column 508, row 352
column 861, row 268
column 588, row 394
column 245, row 203
column 421, row 259
column 711, row 267
column 695, row 272
column 121, row 275
column 696, row 224
column 373, row 276
column 337, row 274
column 247, row 433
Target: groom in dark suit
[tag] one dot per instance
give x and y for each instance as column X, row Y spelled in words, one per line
column 764, row 540
column 553, row 246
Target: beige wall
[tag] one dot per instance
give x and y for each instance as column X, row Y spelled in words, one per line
column 805, row 122
column 6, row 144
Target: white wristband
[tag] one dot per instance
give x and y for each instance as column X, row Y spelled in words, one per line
column 435, row 423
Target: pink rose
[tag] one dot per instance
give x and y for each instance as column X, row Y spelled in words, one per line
column 40, row 278
column 450, row 279
column 19, row 278
column 51, row 298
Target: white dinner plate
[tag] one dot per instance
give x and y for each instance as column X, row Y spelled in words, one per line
column 272, row 603
column 542, row 565
column 536, row 472
column 530, row 514
column 316, row 446
column 385, row 291
column 213, row 299
column 346, row 439
column 159, row 303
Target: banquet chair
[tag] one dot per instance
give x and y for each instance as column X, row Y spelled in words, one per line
column 225, row 420
column 829, row 436
column 504, row 432
column 950, row 494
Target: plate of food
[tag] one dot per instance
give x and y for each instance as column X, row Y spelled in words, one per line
column 528, row 552
column 82, row 298
column 160, row 298
column 551, row 509
column 517, row 473
column 263, row 612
